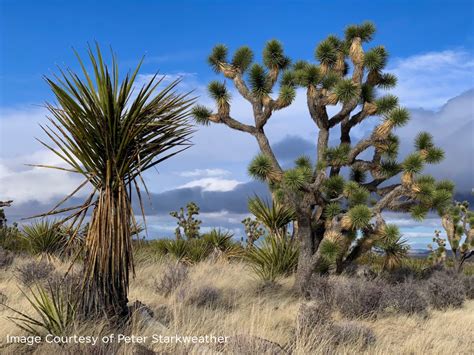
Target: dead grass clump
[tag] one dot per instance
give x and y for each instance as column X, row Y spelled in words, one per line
column 204, row 296
column 173, row 276
column 468, row 282
column 312, row 317
column 351, row 333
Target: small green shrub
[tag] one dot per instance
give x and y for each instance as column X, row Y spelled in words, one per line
column 275, row 258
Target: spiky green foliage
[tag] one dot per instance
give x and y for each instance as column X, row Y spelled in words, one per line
column 330, row 250
column 387, row 81
column 243, row 58
column 56, row 311
column 393, row 247
column 413, row 163
column 364, row 31
column 111, row 138
column 274, row 216
column 390, row 167
column 275, row 258
column 446, row 185
column 219, row 240
column 435, row 155
column 424, row 141
column 217, row 57
column 304, row 162
column 376, row 58
column 286, row 94
column 399, row 116
column 295, row 179
column 358, row 175
column 218, row 91
column 360, row 216
column 367, row 93
column 334, row 186
column 274, row 57
column 346, row 90
column 308, row 75
column 356, row 194
column 177, row 248
column 329, row 80
column 45, row 237
column 390, row 147
column 201, row 115
column 288, row 78
column 419, row 212
column 332, row 210
column 386, row 103
column 326, row 52
column 260, row 167
column 258, row 80
column 338, row 155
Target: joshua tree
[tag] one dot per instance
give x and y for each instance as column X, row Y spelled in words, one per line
column 437, row 255
column 110, row 135
column 253, row 231
column 187, row 222
column 335, row 221
column 458, row 222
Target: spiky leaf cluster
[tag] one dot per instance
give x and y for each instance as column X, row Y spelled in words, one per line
column 260, row 167
column 399, row 116
column 386, row 103
column 242, row 59
column 217, row 57
column 376, row 59
column 359, row 216
column 337, row 156
column 201, row 114
column 334, row 186
column 258, row 80
column 218, row 91
column 364, row 31
column 346, row 90
column 274, row 57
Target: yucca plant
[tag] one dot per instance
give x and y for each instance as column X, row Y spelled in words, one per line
column 276, row 257
column 111, row 135
column 275, row 216
column 45, row 237
column 55, row 308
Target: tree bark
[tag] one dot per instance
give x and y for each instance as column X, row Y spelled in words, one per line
column 306, row 250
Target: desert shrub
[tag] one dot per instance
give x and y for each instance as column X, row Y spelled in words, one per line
column 321, row 289
column 404, row 297
column 468, row 283
column 311, row 318
column 444, row 290
column 55, row 308
column 45, row 236
column 173, row 276
column 35, row 271
column 217, row 239
column 6, row 258
column 276, row 257
column 205, row 296
column 347, row 333
column 358, row 298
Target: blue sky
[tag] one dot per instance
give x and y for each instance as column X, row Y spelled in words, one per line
column 431, row 45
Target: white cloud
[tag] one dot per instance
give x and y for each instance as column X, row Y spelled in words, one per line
column 212, row 184
column 24, row 184
column 429, row 80
column 204, row 172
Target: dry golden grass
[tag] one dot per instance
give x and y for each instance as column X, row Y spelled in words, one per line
column 249, row 309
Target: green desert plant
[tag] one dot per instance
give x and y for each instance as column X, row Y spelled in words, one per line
column 253, row 231
column 45, row 237
column 218, row 240
column 275, row 216
column 393, row 247
column 111, row 132
column 327, row 204
column 56, row 311
column 187, row 224
column 276, row 257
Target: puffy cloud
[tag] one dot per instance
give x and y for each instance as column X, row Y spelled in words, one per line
column 204, row 172
column 212, row 184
